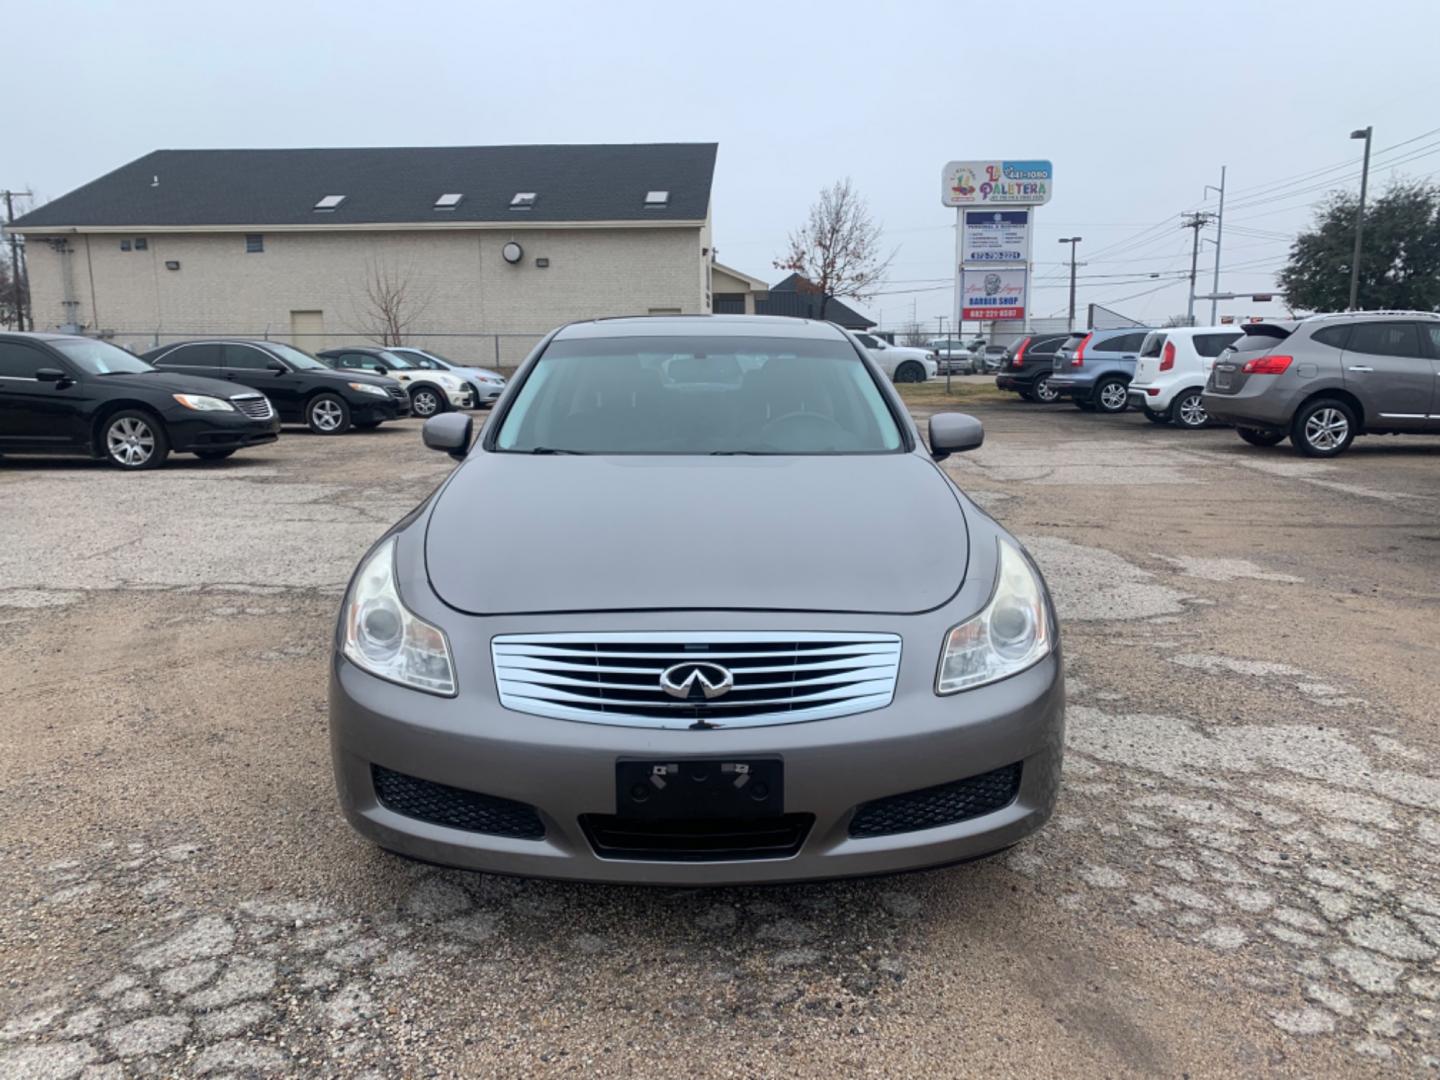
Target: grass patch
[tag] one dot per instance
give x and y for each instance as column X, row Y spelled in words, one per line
column 962, row 389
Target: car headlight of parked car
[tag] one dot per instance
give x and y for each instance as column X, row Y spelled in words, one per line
column 386, row 639
column 202, row 403
column 1010, row 635
column 366, row 388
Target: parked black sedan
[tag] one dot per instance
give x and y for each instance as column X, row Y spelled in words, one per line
column 74, row 395
column 303, row 390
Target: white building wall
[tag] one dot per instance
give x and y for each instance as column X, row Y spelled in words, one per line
column 460, row 283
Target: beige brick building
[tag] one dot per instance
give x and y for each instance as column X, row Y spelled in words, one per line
column 473, row 251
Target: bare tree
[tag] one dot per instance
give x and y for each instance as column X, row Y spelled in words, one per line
column 838, row 249
column 391, row 303
column 914, row 333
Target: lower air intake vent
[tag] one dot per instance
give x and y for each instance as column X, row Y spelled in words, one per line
column 696, row 840
column 455, row 808
column 942, row 805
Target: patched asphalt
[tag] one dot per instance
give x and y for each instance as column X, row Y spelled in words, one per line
column 1242, row 877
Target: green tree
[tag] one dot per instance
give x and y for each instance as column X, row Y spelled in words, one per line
column 1399, row 258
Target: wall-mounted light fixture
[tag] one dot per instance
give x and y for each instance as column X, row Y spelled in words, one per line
column 542, row 262
column 172, row 264
column 512, row 252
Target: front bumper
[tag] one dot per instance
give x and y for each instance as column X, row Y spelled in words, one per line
column 486, row 393
column 189, row 431
column 566, row 769
column 367, row 409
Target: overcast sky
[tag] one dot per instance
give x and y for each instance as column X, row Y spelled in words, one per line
column 1138, row 104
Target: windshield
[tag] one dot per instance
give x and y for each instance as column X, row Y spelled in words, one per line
column 655, row 395
column 100, row 357
column 294, row 357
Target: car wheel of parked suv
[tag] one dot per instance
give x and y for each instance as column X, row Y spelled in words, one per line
column 1156, row 417
column 135, row 440
column 1323, row 428
column 426, row 401
column 1188, row 410
column 910, row 372
column 1043, row 391
column 327, row 414
column 1262, row 437
column 1111, row 396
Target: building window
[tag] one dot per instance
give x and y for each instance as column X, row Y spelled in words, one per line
column 124, row 245
column 657, row 200
column 254, row 243
column 141, row 243
column 449, row 202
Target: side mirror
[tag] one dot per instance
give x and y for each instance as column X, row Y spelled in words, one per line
column 952, row 433
column 50, row 374
column 449, row 432
column 381, row 369
column 277, row 367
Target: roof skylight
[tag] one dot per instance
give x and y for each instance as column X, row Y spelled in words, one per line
column 448, row 202
column 655, row 200
column 330, row 202
column 523, row 200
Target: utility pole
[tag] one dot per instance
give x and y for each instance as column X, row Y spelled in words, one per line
column 1072, row 241
column 1219, row 233
column 949, row 352
column 1363, row 133
column 1196, row 221
column 16, row 290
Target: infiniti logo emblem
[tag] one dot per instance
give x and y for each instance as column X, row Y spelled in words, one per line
column 684, row 679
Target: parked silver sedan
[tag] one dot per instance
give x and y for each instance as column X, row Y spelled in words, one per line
column 701, row 664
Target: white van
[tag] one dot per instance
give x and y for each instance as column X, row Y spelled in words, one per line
column 1171, row 370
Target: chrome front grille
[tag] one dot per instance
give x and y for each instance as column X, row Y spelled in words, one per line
column 778, row 678
column 254, row 406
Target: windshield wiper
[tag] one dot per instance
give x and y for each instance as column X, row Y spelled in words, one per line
column 552, row 450
column 741, row 453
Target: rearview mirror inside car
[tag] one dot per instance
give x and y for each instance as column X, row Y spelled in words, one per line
column 953, row 433
column 449, row 432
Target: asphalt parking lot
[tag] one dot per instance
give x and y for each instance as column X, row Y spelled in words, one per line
column 1243, row 876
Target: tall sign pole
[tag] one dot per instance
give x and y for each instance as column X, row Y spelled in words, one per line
column 1219, row 235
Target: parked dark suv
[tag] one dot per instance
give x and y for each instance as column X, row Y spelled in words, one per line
column 303, row 390
column 1028, row 365
column 74, row 395
column 1323, row 380
column 1094, row 368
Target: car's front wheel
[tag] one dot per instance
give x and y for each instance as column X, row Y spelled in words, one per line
column 1261, row 437
column 327, row 414
column 910, row 371
column 1323, row 428
column 134, row 440
column 1044, row 392
column 1111, row 396
column 426, row 401
column 1188, row 410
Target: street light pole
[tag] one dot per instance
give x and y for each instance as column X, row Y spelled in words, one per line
column 1363, row 133
column 1072, row 241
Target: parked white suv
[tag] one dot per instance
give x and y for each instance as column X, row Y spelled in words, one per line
column 900, row 362
column 1171, row 370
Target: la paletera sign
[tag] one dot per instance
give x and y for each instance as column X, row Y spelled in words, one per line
column 990, row 183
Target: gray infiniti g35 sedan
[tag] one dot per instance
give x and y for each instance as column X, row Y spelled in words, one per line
column 747, row 629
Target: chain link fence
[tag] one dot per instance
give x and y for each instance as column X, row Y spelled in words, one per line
column 502, row 351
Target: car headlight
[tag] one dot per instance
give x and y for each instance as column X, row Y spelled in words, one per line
column 1010, row 635
column 202, row 403
column 366, row 388
column 387, row 640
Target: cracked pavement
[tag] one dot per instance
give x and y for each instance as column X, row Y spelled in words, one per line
column 1242, row 877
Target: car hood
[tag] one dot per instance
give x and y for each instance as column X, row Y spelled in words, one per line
column 515, row 533
column 175, row 383
column 349, row 376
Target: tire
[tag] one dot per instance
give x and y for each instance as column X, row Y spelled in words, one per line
column 426, row 401
column 1188, row 410
column 1323, row 428
column 1042, row 391
column 215, row 455
column 133, row 440
column 327, row 414
column 1156, row 417
column 475, row 402
column 909, row 372
column 1259, row 437
column 1111, row 396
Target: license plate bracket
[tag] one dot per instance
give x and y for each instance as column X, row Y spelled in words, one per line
column 1222, row 379
column 700, row 788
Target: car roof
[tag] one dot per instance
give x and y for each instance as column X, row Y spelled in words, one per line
column 719, row 326
column 1182, row 331
column 40, row 335
column 1383, row 314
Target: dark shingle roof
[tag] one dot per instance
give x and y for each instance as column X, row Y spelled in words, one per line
column 391, row 185
column 797, row 297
